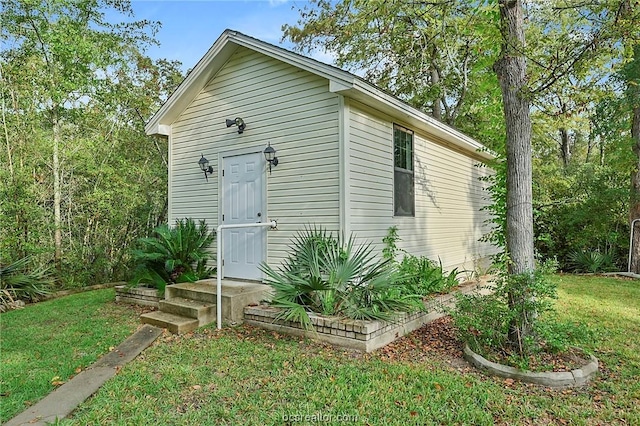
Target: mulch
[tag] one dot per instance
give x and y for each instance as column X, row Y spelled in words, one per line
column 436, row 339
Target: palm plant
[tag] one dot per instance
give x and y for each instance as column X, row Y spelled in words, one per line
column 332, row 276
column 591, row 261
column 19, row 283
column 174, row 254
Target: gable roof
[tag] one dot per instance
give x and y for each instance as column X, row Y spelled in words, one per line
column 340, row 82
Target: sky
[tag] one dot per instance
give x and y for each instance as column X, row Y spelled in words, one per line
column 190, row 27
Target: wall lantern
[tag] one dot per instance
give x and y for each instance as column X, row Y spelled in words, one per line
column 270, row 156
column 237, row 122
column 205, row 167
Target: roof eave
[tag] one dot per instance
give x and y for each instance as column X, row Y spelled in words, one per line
column 340, row 82
column 368, row 94
column 184, row 94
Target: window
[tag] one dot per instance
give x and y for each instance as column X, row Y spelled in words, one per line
column 403, row 188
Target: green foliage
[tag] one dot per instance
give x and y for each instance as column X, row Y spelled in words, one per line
column 425, row 277
column 331, row 276
column 487, row 322
column 420, row 275
column 557, row 336
column 497, row 208
column 590, row 261
column 76, row 85
column 390, row 242
column 437, row 56
column 173, row 255
column 582, row 209
column 20, row 282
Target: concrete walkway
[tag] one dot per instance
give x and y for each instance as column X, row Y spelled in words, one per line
column 624, row 274
column 62, row 401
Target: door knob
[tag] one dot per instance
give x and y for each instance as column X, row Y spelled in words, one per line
column 259, row 214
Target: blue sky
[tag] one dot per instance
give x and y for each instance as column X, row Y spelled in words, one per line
column 190, row 27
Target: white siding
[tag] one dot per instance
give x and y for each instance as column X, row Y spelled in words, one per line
column 288, row 107
column 448, row 222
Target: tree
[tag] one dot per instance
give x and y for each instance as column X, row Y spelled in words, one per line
column 511, row 69
column 436, row 56
column 631, row 76
column 82, row 180
column 69, row 54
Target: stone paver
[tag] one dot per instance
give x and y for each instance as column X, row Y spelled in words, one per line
column 62, row 401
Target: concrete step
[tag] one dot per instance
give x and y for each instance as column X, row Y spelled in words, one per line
column 205, row 313
column 235, row 296
column 174, row 323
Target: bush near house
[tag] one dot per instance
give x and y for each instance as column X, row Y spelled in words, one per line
column 333, row 276
column 421, row 275
column 173, row 255
column 484, row 321
column 590, row 261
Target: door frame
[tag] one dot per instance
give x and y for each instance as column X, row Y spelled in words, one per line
column 233, row 153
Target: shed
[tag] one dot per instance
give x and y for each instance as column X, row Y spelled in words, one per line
column 351, row 158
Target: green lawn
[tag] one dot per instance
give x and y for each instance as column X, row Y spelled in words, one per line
column 47, row 342
column 248, row 376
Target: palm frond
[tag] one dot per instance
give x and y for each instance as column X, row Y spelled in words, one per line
column 19, row 281
column 336, row 276
column 174, row 253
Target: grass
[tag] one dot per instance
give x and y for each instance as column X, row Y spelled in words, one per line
column 244, row 375
column 48, row 342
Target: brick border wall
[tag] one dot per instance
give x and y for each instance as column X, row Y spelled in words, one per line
column 137, row 296
column 365, row 336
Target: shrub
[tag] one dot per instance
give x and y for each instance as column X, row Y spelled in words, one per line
column 173, row 255
column 18, row 283
column 331, row 276
column 425, row 277
column 421, row 275
column 484, row 321
column 590, row 261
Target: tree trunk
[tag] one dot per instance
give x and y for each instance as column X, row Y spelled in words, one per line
column 565, row 147
column 511, row 72
column 57, row 195
column 437, row 108
column 634, row 205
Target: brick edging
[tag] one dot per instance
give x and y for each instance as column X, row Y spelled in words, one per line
column 564, row 379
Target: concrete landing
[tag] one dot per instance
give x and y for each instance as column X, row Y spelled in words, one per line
column 188, row 306
column 236, row 295
column 62, row 401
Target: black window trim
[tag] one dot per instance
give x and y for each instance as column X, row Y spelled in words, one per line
column 403, row 170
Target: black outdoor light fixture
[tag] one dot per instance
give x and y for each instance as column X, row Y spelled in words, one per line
column 270, row 156
column 237, row 122
column 205, row 167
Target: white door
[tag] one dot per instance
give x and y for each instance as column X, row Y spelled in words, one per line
column 243, row 202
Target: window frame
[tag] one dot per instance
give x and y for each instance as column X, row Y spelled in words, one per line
column 398, row 169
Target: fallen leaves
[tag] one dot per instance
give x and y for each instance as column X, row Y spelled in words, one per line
column 56, row 381
column 436, row 339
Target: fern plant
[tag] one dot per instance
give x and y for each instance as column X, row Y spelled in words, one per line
column 420, row 274
column 426, row 277
column 334, row 276
column 173, row 255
